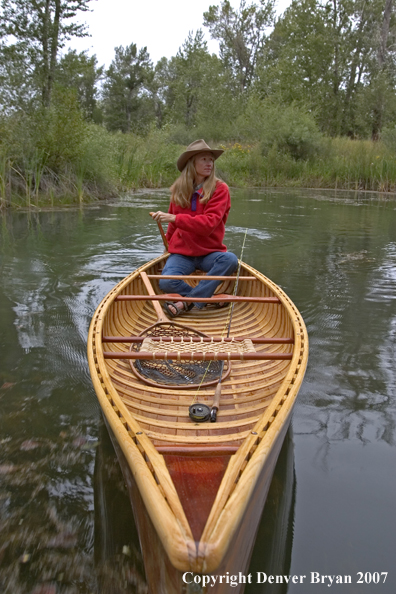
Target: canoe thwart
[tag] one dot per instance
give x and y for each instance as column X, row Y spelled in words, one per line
column 196, row 450
column 222, row 299
column 200, row 277
column 198, row 356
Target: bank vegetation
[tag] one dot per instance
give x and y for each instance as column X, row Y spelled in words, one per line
column 303, row 99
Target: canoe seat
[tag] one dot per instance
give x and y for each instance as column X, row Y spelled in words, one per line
column 186, row 347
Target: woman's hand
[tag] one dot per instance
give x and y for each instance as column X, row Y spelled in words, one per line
column 163, row 217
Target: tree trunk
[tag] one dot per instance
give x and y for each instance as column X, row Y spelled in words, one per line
column 352, row 83
column 382, row 51
column 54, row 47
column 336, row 72
column 381, row 58
column 45, row 44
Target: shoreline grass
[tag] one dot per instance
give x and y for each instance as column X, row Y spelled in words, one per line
column 105, row 165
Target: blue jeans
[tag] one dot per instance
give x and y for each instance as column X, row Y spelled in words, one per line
column 214, row 264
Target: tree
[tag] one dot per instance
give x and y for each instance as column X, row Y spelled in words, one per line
column 193, row 90
column 80, row 72
column 186, row 83
column 126, row 100
column 328, row 56
column 37, row 29
column 309, row 51
column 241, row 34
column 17, row 85
column 298, row 60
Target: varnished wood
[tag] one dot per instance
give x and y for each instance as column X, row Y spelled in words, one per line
column 199, row 356
column 138, row 339
column 158, row 309
column 162, row 232
column 158, row 439
column 222, row 299
column 207, row 451
column 200, row 277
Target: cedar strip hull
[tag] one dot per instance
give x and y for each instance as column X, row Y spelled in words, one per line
column 162, row 577
column 176, row 466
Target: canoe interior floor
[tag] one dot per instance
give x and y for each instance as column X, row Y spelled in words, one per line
column 197, row 478
column 161, row 412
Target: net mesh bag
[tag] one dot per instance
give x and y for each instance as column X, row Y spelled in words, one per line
column 182, row 373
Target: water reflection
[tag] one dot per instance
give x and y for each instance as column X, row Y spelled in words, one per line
column 334, row 254
column 273, row 550
column 118, row 560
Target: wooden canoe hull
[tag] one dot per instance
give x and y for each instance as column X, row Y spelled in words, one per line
column 223, row 470
column 162, row 576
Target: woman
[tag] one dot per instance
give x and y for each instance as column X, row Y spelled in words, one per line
column 199, row 207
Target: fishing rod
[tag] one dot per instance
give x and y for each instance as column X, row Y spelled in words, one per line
column 217, row 394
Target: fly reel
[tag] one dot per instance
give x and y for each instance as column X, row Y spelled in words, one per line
column 199, row 413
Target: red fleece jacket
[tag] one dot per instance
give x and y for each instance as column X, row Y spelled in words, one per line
column 201, row 232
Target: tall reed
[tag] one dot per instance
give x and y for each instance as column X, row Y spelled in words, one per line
column 104, row 164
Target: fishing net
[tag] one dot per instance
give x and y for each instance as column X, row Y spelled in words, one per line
column 176, row 373
column 183, row 372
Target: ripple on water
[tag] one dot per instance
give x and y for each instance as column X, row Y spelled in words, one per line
column 383, row 282
column 337, row 264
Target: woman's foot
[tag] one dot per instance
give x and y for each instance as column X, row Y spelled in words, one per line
column 221, row 304
column 174, row 309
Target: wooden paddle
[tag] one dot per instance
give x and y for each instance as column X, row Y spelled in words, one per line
column 161, row 230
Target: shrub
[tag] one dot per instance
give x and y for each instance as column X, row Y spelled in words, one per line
column 289, row 128
column 388, row 137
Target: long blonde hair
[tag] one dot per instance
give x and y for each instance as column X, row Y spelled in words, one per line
column 183, row 188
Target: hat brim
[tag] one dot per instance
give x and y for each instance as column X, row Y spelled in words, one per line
column 184, row 157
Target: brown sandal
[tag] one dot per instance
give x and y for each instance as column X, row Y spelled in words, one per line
column 177, row 311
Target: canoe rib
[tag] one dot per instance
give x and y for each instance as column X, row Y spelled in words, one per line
column 257, row 436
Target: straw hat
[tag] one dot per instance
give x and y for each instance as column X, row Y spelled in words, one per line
column 198, row 146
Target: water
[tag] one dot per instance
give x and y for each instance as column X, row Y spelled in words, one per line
column 65, row 524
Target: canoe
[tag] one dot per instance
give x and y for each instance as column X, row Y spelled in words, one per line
column 198, row 488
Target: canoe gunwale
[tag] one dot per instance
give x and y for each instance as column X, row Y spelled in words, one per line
column 148, row 465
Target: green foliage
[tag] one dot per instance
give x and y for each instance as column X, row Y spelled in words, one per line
column 282, row 98
column 388, row 137
column 288, row 128
column 126, row 105
column 343, row 163
column 48, row 153
column 241, row 34
column 81, row 73
column 322, row 54
column 35, row 30
column 60, row 130
column 196, row 98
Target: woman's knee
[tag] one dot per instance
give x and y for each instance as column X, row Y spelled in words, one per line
column 229, row 260
column 168, row 285
column 233, row 260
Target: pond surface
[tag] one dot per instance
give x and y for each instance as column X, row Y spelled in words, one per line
column 65, row 522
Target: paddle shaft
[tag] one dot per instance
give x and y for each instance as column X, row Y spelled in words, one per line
column 161, row 230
